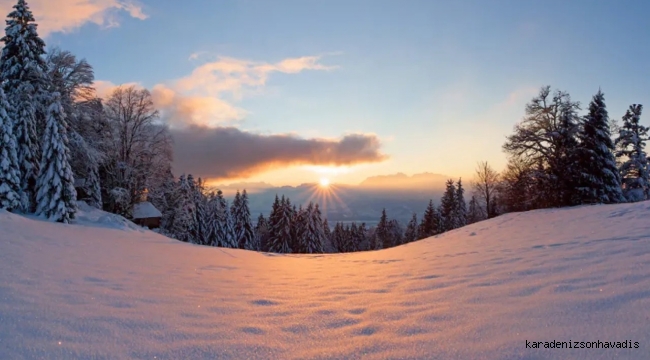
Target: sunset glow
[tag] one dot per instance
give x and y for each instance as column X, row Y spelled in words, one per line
column 324, row 182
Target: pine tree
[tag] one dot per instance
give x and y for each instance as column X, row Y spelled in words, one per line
column 238, row 225
column 194, row 228
column 382, row 232
column 411, row 233
column 227, row 230
column 460, row 213
column 339, row 241
column 599, row 180
column 56, row 196
column 199, row 229
column 448, row 207
column 428, row 227
column 396, row 233
column 22, row 73
column 9, row 166
column 298, row 228
column 634, row 164
column 280, row 236
column 311, row 239
column 184, row 216
column 262, row 233
column 244, row 232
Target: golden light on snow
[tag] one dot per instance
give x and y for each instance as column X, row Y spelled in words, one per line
column 324, row 182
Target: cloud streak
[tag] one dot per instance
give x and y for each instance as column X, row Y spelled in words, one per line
column 67, row 15
column 227, row 152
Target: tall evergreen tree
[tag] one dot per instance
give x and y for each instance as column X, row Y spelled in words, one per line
column 634, row 162
column 396, row 233
column 280, row 236
column 460, row 213
column 184, row 216
column 246, row 235
column 22, row 73
column 382, row 232
column 599, row 180
column 429, row 227
column 311, row 239
column 262, row 233
column 448, row 207
column 56, row 196
column 9, row 166
column 411, row 233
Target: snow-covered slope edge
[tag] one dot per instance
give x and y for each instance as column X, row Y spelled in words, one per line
column 93, row 292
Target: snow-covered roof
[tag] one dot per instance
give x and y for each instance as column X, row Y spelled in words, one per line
column 145, row 210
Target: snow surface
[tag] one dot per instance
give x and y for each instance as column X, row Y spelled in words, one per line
column 103, row 289
column 144, row 210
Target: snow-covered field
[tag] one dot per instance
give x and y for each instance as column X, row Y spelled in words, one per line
column 104, row 289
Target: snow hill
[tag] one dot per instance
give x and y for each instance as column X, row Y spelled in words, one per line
column 106, row 289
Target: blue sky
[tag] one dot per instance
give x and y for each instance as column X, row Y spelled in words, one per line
column 441, row 83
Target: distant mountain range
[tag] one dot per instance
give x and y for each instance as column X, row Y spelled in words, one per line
column 399, row 193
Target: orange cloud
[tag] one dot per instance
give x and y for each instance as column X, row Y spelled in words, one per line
column 68, row 15
column 206, row 96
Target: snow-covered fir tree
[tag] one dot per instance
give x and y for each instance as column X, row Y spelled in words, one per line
column 312, row 236
column 227, row 229
column 243, row 227
column 9, row 166
column 633, row 167
column 382, row 232
column 599, row 180
column 280, row 226
column 184, row 216
column 396, row 233
column 338, row 238
column 298, row 228
column 55, row 193
column 460, row 212
column 360, row 238
column 262, row 233
column 411, row 232
column 448, row 207
column 429, row 225
column 22, row 72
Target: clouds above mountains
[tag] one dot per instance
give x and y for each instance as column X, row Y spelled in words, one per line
column 68, row 15
column 227, row 152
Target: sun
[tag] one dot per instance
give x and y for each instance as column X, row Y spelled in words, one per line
column 324, row 182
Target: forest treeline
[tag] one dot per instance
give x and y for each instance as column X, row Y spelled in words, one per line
column 60, row 142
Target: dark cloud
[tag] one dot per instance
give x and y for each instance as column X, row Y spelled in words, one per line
column 227, row 152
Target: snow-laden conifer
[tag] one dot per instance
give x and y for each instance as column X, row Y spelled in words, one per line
column 56, row 196
column 9, row 166
column 634, row 162
column 599, row 180
column 411, row 232
column 22, row 73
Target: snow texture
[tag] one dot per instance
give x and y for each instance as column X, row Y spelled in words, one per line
column 144, row 210
column 99, row 289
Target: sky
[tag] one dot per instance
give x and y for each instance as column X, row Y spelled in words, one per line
column 278, row 90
